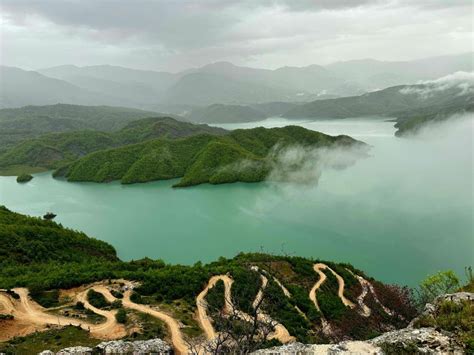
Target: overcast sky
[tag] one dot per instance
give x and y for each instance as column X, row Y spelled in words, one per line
column 174, row 35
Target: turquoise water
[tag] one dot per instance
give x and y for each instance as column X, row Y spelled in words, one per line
column 400, row 214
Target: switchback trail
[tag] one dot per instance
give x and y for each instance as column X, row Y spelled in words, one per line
column 322, row 278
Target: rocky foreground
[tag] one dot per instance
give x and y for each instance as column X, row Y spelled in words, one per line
column 410, row 340
column 153, row 346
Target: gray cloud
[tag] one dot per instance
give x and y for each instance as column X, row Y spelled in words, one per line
column 177, row 34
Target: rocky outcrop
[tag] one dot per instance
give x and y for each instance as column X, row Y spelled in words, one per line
column 424, row 340
column 346, row 347
column 431, row 308
column 153, row 346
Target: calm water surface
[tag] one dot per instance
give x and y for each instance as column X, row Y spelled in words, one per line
column 400, row 214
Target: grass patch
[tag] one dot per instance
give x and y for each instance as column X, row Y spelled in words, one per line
column 151, row 327
column 54, row 340
column 185, row 312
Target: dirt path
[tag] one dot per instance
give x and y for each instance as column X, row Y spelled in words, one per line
column 285, row 291
column 365, row 311
column 179, row 344
column 322, row 277
column 201, row 304
column 110, row 327
column 280, row 333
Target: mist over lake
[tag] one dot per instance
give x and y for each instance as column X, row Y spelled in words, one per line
column 402, row 213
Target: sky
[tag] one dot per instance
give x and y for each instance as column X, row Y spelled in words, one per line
column 173, row 35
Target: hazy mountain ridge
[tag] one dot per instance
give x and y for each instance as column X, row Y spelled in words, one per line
column 388, row 102
column 219, row 113
column 223, row 83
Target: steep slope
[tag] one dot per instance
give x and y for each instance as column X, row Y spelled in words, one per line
column 55, row 149
column 241, row 155
column 62, row 265
column 25, row 240
column 219, row 113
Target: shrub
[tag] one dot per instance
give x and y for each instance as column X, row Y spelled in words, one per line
column 97, row 299
column 46, row 299
column 117, row 294
column 116, row 304
column 24, row 178
column 436, row 285
column 121, row 316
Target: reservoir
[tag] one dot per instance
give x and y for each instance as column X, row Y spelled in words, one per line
column 402, row 213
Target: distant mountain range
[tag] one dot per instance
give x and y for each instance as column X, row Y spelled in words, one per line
column 222, row 83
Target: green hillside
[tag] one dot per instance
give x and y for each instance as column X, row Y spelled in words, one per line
column 28, row 240
column 241, row 155
column 385, row 102
column 56, row 149
column 17, row 124
column 412, row 121
column 46, row 257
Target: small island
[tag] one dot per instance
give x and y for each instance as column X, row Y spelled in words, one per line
column 22, row 178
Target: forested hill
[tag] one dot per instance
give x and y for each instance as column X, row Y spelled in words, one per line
column 46, row 258
column 17, row 124
column 27, row 240
column 53, row 150
column 409, row 122
column 387, row 102
column 242, row 155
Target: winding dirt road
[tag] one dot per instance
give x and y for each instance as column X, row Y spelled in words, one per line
column 179, row 344
column 365, row 311
column 322, row 278
column 26, row 310
column 280, row 333
column 110, row 326
column 201, row 304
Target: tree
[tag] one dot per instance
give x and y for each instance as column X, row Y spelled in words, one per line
column 436, row 285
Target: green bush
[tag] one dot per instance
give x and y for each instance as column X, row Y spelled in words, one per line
column 216, row 296
column 24, row 178
column 436, row 285
column 121, row 316
column 97, row 299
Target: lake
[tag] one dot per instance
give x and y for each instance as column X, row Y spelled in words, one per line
column 402, row 213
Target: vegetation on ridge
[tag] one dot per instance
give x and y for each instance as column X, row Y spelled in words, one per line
column 70, row 263
column 54, row 150
column 241, row 155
